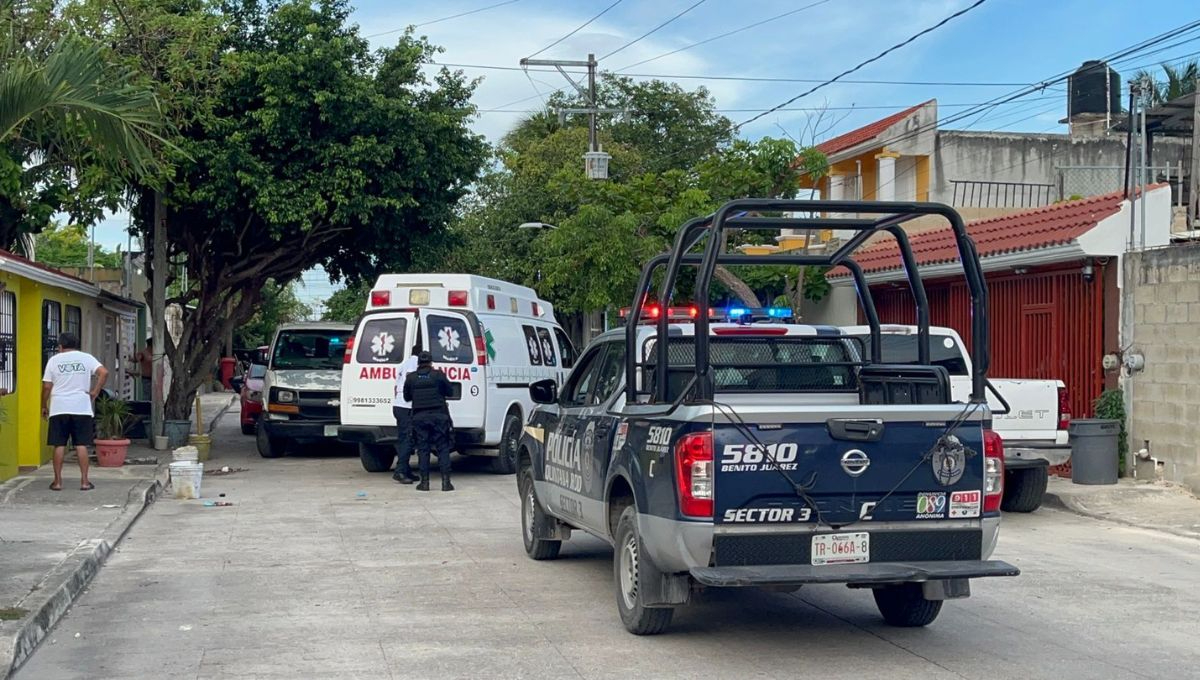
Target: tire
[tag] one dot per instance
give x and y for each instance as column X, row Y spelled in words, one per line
column 904, row 606
column 1024, row 489
column 532, row 519
column 376, row 458
column 248, row 429
column 506, row 462
column 627, row 556
column 269, row 447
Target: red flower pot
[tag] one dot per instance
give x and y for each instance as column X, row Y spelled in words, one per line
column 111, row 452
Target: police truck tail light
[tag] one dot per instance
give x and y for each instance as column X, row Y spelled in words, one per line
column 457, row 298
column 694, row 474
column 480, row 351
column 1064, row 408
column 993, row 471
column 349, row 351
column 381, row 298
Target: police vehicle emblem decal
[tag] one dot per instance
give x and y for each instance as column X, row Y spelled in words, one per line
column 855, row 462
column 949, row 461
column 589, row 441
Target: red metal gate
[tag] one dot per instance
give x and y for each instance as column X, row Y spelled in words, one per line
column 1044, row 324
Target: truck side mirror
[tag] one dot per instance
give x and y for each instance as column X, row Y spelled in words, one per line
column 544, row 392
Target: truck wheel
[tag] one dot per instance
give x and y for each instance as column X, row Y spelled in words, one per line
column 1024, row 489
column 269, row 447
column 905, row 606
column 376, row 458
column 505, row 463
column 532, row 520
column 628, row 563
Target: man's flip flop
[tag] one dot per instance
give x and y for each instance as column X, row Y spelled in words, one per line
column 55, row 488
column 89, row 487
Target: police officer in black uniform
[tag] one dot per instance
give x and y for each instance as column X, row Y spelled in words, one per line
column 427, row 389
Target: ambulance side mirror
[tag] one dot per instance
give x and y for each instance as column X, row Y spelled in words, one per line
column 544, row 392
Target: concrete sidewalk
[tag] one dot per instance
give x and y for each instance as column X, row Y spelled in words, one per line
column 1148, row 505
column 53, row 542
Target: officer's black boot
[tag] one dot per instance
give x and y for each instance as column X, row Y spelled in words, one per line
column 424, row 485
column 446, row 485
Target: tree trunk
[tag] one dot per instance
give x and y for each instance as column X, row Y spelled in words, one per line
column 737, row 287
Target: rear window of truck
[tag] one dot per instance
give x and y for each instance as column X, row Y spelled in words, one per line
column 902, row 349
column 763, row 364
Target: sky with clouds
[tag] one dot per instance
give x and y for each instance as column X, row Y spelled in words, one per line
column 997, row 47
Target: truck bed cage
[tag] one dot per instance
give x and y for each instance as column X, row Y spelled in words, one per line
column 733, row 215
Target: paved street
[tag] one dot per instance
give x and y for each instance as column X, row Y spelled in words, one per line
column 302, row 577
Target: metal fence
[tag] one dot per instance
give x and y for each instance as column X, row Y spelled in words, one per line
column 1081, row 181
column 985, row 194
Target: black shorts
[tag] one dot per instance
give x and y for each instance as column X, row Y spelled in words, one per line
column 81, row 430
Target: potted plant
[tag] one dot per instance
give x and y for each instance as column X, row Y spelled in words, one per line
column 112, row 421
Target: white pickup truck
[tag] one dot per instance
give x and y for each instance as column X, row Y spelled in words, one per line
column 1034, row 429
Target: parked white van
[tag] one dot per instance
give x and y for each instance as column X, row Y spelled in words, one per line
column 302, row 386
column 491, row 338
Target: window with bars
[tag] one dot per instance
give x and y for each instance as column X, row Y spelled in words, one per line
column 51, row 328
column 74, row 324
column 8, row 340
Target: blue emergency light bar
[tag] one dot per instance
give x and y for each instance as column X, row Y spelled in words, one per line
column 748, row 313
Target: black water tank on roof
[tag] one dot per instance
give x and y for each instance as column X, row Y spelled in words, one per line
column 1095, row 88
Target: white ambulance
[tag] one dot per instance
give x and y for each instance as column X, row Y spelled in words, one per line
column 491, row 338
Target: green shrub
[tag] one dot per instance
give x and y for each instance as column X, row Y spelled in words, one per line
column 1111, row 406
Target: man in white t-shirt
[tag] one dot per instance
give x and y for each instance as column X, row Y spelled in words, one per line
column 402, row 410
column 67, row 395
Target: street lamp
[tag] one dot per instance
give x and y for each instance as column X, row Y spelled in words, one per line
column 536, row 225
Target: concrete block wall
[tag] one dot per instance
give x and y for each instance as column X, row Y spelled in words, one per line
column 1163, row 290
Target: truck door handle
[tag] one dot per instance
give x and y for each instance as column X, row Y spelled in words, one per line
column 855, row 430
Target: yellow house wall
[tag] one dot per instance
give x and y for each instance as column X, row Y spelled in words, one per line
column 23, row 436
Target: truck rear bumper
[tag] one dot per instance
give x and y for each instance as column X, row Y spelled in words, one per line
column 850, row 574
column 1018, row 454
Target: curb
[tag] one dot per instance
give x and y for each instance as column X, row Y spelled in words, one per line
column 1053, row 500
column 59, row 589
column 212, row 424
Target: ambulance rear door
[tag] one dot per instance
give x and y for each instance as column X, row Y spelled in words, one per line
column 457, row 345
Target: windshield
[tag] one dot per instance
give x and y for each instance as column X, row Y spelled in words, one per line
column 310, row 349
column 902, row 349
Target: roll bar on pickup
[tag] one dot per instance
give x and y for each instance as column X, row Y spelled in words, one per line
column 734, row 215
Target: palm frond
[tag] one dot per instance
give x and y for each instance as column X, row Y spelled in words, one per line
column 74, row 94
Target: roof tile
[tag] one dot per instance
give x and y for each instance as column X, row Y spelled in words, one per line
column 866, row 132
column 1053, row 225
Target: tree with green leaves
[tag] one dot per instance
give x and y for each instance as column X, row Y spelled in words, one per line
column 279, row 305
column 67, row 246
column 1180, row 80
column 674, row 158
column 347, row 304
column 76, row 128
column 298, row 146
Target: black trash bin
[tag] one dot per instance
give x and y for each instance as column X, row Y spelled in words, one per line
column 1094, row 457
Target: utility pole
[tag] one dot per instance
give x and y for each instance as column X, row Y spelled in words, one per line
column 158, row 316
column 595, row 160
column 1193, row 211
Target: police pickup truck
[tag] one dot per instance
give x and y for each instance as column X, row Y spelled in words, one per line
column 735, row 450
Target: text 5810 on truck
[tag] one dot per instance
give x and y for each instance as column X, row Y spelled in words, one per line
column 738, row 451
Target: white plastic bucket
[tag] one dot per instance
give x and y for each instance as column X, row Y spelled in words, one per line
column 186, row 478
column 186, row 454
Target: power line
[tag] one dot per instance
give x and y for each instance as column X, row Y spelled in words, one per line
column 577, row 29
column 877, row 57
column 653, row 30
column 887, row 107
column 725, row 35
column 438, row 21
column 750, row 79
